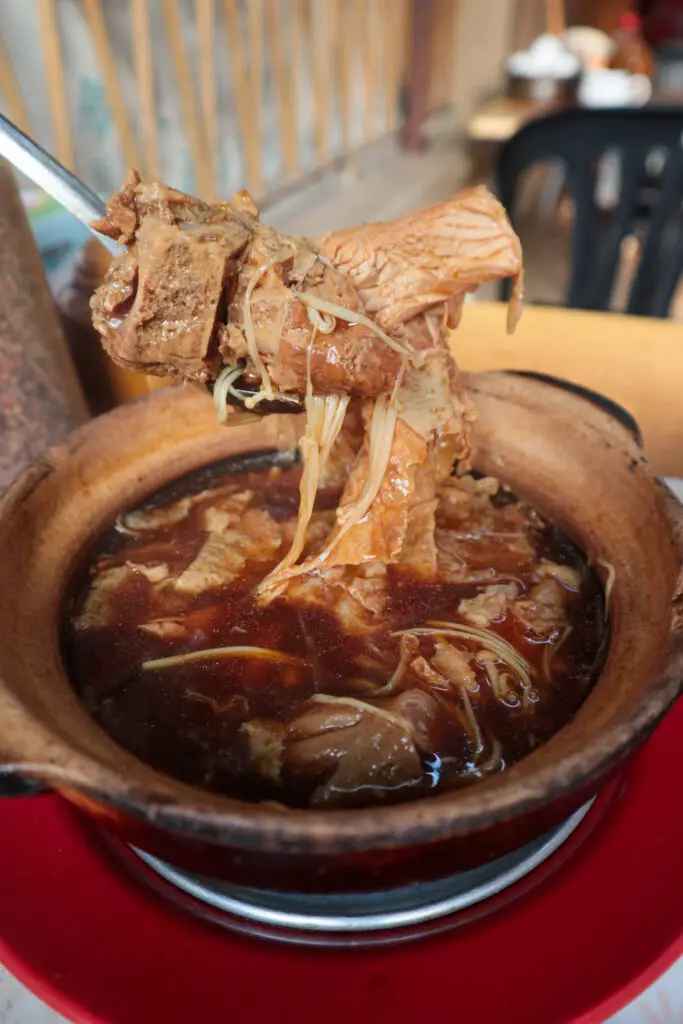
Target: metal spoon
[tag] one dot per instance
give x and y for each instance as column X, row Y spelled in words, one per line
column 71, row 193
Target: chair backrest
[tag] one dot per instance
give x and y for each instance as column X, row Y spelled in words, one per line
column 581, row 140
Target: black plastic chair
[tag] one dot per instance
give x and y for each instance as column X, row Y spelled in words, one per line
column 652, row 209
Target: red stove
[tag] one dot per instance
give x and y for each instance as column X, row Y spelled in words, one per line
column 570, row 929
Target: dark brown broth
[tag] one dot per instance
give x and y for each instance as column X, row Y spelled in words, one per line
column 187, row 720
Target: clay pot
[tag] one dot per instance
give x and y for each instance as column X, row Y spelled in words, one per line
column 574, row 461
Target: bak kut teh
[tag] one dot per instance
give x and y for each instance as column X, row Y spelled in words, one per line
column 367, row 620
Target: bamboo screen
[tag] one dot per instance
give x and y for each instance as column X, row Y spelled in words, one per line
column 210, row 95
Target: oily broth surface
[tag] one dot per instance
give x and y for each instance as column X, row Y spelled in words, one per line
column 191, row 721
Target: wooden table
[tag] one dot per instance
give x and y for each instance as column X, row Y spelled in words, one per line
column 637, row 361
column 500, row 117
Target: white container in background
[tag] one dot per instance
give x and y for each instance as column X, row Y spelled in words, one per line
column 607, row 87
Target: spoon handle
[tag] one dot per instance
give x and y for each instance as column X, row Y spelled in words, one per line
column 37, row 164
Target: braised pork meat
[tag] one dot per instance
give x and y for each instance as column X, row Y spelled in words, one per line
column 202, row 284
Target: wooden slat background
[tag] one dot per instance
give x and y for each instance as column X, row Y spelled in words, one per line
column 297, row 84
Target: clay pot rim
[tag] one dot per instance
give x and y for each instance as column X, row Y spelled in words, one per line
column 225, row 821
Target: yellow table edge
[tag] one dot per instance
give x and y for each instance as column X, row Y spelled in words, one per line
column 636, row 361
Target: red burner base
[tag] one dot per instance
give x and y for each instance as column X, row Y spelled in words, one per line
column 93, row 941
